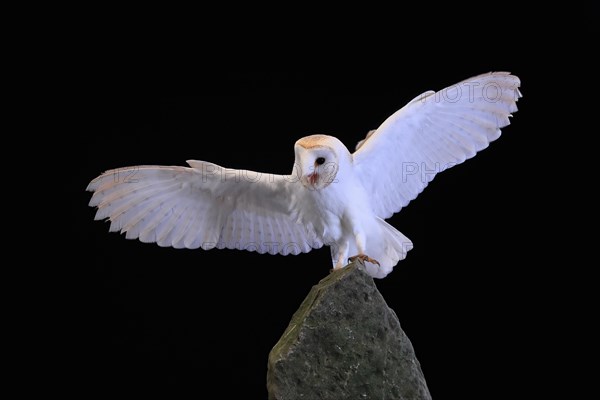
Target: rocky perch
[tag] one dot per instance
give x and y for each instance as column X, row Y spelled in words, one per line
column 344, row 342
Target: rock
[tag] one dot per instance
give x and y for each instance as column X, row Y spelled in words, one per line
column 344, row 342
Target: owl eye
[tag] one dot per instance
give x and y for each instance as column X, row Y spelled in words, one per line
column 320, row 161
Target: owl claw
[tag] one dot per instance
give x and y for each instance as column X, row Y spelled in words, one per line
column 363, row 258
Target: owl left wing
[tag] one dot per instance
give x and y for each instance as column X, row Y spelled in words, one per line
column 433, row 132
column 206, row 206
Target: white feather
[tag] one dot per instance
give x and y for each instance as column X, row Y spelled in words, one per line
column 205, row 206
column 432, row 133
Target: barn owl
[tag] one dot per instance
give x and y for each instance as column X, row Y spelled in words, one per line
column 332, row 197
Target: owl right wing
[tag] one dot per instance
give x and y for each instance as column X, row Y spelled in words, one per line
column 430, row 134
column 205, row 206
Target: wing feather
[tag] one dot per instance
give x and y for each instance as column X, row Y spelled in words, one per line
column 205, row 206
column 167, row 235
column 432, row 133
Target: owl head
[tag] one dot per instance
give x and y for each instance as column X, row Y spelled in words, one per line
column 318, row 160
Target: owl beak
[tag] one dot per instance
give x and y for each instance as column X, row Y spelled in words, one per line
column 313, row 178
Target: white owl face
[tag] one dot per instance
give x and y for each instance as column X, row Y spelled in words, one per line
column 317, row 161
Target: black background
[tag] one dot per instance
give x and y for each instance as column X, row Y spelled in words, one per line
column 469, row 295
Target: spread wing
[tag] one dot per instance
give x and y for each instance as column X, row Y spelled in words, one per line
column 205, row 206
column 433, row 132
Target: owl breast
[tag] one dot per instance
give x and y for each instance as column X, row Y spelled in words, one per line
column 338, row 206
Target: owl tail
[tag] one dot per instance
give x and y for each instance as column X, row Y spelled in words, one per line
column 390, row 247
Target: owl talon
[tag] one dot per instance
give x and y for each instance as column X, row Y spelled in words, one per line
column 363, row 258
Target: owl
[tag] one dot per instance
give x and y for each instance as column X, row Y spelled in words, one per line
column 332, row 197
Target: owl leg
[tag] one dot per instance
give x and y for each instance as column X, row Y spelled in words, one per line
column 360, row 244
column 342, row 255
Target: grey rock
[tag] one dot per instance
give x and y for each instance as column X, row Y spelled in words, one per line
column 344, row 342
